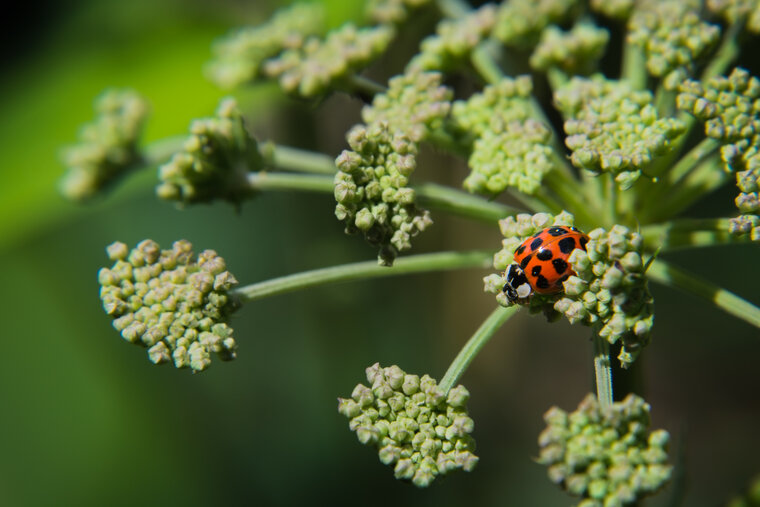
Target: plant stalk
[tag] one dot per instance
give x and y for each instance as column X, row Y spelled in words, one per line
column 484, row 333
column 364, row 270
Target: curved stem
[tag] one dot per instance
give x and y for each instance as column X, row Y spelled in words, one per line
column 602, row 371
column 726, row 53
column 484, row 333
column 158, row 152
column 667, row 274
column 263, row 180
column 364, row 270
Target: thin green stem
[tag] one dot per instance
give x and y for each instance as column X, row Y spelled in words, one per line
column 688, row 162
column 364, row 270
column 634, row 66
column 726, row 53
column 462, row 204
column 295, row 159
column 671, row 276
column 430, row 195
column 700, row 181
column 364, row 86
column 484, row 333
column 484, row 63
column 263, row 180
column 602, row 371
column 690, row 233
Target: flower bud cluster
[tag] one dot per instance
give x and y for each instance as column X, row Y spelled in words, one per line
column 371, row 187
column 608, row 291
column 617, row 9
column 392, row 11
column 416, row 427
column 108, row 146
column 611, row 127
column 510, row 148
column 738, row 11
column 606, row 456
column 454, row 40
column 673, row 37
column 415, row 104
column 520, row 22
column 574, row 52
column 170, row 302
column 730, row 109
column 214, row 162
column 309, row 70
column 239, row 57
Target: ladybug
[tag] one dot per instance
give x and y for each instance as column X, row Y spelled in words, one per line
column 540, row 262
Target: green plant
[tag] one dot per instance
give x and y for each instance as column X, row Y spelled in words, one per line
column 624, row 164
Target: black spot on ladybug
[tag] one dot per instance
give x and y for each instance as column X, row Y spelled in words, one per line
column 542, row 282
column 583, row 242
column 560, row 266
column 536, row 243
column 520, row 250
column 544, row 254
column 557, row 231
column 566, row 245
column 525, row 261
column 536, row 270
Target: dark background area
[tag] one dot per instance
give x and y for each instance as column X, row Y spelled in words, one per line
column 86, row 419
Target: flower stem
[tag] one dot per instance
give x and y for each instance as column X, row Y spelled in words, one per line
column 484, row 333
column 726, row 53
column 462, row 204
column 602, row 371
column 690, row 233
column 634, row 66
column 671, row 276
column 364, row 270
column 158, row 152
column 294, row 159
column 430, row 194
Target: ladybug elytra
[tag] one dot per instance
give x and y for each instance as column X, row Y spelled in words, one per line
column 540, row 262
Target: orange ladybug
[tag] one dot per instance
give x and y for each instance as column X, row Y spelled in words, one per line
column 540, row 262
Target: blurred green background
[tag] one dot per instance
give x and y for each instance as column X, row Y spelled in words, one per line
column 86, row 419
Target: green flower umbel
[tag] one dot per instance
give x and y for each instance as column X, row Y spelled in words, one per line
column 605, row 456
column 215, row 161
column 108, row 146
column 613, row 128
column 171, row 302
column 415, row 426
column 371, row 187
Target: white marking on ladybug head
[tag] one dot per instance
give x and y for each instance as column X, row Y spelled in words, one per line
column 524, row 290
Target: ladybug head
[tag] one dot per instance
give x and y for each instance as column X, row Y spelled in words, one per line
column 516, row 287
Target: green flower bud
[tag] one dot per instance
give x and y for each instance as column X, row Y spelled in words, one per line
column 599, row 114
column 215, row 161
column 425, row 432
column 388, row 218
column 108, row 148
column 605, row 456
column 168, row 301
column 519, row 22
column 454, row 40
column 574, row 52
column 738, row 11
column 392, row 11
column 240, row 56
column 310, row 69
column 672, row 36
